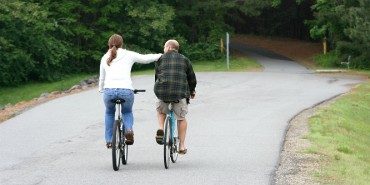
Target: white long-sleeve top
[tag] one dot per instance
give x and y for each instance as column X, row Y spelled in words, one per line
column 118, row 74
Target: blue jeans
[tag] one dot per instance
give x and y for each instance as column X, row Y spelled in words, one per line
column 110, row 109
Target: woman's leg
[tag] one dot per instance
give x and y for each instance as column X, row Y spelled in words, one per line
column 127, row 115
column 110, row 110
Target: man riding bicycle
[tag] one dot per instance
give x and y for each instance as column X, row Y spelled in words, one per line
column 175, row 83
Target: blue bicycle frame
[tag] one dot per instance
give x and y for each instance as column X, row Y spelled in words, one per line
column 172, row 121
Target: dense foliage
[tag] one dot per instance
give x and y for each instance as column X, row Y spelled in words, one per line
column 282, row 19
column 28, row 47
column 346, row 26
column 42, row 40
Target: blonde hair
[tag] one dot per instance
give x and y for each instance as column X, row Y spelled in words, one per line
column 173, row 44
column 115, row 41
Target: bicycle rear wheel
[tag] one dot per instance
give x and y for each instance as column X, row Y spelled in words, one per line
column 124, row 150
column 175, row 143
column 116, row 145
column 124, row 154
column 167, row 143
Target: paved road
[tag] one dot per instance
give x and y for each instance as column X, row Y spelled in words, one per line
column 236, row 130
column 272, row 62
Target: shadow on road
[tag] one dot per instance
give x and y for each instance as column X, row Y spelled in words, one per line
column 271, row 62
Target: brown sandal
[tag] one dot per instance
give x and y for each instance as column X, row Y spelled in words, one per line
column 183, row 152
column 129, row 137
column 159, row 137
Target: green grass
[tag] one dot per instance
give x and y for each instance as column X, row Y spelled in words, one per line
column 327, row 60
column 341, row 135
column 32, row 90
column 236, row 64
column 331, row 61
column 143, row 72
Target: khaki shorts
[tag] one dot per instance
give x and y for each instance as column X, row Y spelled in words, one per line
column 180, row 109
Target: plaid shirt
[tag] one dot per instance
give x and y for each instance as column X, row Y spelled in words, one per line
column 174, row 77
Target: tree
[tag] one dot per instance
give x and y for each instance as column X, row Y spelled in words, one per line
column 87, row 25
column 346, row 25
column 358, row 32
column 327, row 22
column 28, row 49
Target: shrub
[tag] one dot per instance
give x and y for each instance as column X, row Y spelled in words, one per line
column 327, row 60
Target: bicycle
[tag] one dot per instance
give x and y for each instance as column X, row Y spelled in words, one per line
column 119, row 146
column 170, row 138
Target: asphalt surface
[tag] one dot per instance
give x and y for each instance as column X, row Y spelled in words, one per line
column 236, row 130
column 272, row 62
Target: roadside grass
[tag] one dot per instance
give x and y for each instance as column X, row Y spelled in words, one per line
column 236, row 64
column 32, row 90
column 341, row 136
column 327, row 60
column 331, row 60
column 359, row 72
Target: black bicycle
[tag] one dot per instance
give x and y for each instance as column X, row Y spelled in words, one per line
column 119, row 146
column 170, row 139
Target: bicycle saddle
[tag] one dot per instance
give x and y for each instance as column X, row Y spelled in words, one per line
column 118, row 100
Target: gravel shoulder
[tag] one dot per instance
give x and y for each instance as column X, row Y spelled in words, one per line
column 297, row 166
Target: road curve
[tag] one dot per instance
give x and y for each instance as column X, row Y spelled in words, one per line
column 237, row 125
column 271, row 62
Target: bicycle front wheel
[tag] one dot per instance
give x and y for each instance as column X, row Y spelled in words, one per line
column 167, row 143
column 116, row 145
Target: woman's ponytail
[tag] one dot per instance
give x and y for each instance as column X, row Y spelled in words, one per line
column 114, row 42
column 113, row 55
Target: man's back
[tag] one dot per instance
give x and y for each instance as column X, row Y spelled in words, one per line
column 174, row 77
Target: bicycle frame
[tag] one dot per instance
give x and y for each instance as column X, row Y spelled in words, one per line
column 119, row 116
column 171, row 115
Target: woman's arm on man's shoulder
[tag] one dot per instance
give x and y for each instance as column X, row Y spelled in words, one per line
column 144, row 58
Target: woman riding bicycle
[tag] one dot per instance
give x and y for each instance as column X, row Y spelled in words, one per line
column 115, row 81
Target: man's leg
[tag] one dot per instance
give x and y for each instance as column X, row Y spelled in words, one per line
column 181, row 109
column 182, row 126
column 160, row 132
column 161, row 118
column 162, row 108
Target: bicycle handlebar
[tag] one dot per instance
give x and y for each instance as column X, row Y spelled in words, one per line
column 139, row 90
